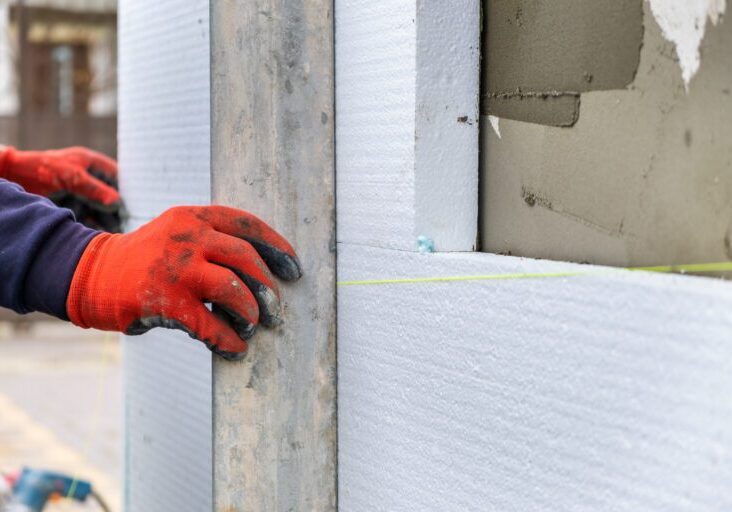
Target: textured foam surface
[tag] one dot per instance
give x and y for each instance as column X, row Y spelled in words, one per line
column 375, row 76
column 598, row 392
column 407, row 123
column 164, row 139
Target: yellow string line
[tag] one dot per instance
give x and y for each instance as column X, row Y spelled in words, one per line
column 96, row 417
column 725, row 266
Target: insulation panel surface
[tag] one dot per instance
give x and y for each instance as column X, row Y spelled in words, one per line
column 164, row 142
column 607, row 391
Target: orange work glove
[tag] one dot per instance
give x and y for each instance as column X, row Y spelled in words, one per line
column 162, row 274
column 80, row 172
column 93, row 217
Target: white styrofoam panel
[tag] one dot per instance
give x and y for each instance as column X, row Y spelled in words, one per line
column 446, row 130
column 375, row 55
column 164, row 111
column 168, row 433
column 164, row 151
column 407, row 77
column 598, row 392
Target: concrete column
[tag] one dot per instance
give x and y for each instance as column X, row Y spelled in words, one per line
column 272, row 154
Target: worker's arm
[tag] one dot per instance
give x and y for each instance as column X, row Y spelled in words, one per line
column 40, row 245
column 76, row 178
column 160, row 275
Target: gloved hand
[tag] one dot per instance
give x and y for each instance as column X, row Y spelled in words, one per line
column 76, row 178
column 164, row 272
column 92, row 217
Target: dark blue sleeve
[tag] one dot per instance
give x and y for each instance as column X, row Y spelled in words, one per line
column 40, row 246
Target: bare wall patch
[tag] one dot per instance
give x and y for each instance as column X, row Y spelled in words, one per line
column 683, row 22
column 539, row 56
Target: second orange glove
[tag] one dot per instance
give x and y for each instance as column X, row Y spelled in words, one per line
column 163, row 274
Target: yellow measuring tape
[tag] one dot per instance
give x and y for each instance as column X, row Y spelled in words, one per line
column 696, row 268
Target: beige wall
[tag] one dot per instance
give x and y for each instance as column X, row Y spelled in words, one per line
column 644, row 174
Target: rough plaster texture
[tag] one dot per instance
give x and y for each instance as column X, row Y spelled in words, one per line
column 538, row 56
column 407, row 123
column 272, row 139
column 164, row 151
column 598, row 392
column 643, row 178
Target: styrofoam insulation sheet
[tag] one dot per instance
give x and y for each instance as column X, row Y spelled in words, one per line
column 407, row 123
column 164, row 150
column 607, row 391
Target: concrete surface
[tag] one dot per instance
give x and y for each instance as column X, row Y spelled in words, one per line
column 272, row 154
column 60, row 403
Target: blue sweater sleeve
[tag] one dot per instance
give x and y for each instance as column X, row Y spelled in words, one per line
column 40, row 246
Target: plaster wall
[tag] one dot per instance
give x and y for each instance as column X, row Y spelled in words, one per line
column 539, row 56
column 164, row 152
column 644, row 174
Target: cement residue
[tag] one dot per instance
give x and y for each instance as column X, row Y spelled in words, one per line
column 643, row 177
column 539, row 56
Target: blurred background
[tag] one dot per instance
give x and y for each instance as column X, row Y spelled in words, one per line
column 60, row 386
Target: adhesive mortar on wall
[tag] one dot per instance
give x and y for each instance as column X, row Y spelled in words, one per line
column 614, row 120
